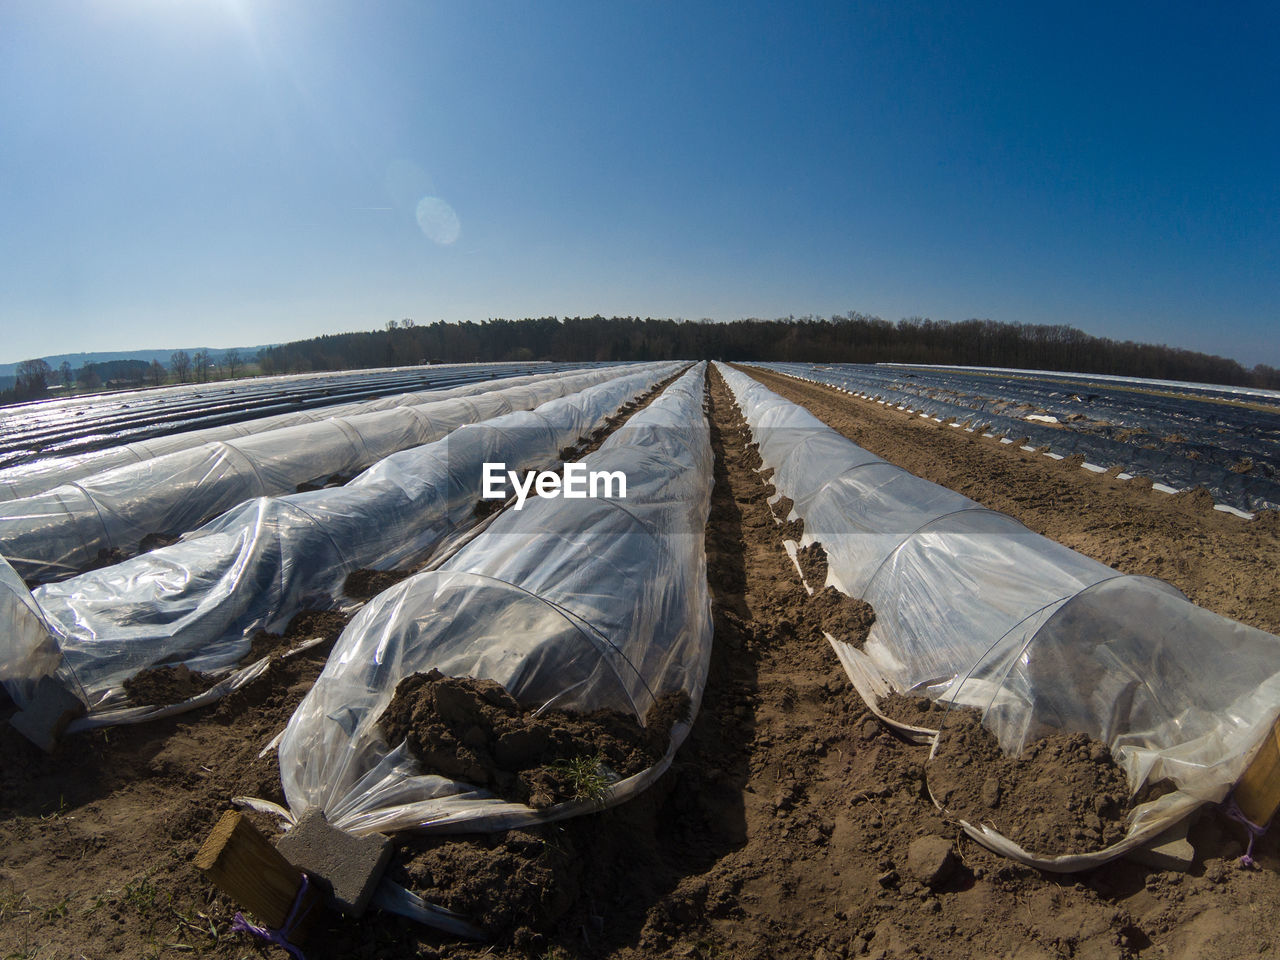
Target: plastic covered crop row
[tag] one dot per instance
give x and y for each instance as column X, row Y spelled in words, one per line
column 32, row 478
column 575, row 604
column 196, row 601
column 55, row 428
column 1178, row 465
column 21, row 418
column 65, row 530
column 975, row 609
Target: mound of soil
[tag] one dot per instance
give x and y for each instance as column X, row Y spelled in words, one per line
column 305, row 625
column 473, row 730
column 161, row 686
column 367, row 584
column 538, row 881
column 917, row 711
column 813, row 564
column 842, row 616
column 1197, row 498
column 153, row 541
column 1063, row 795
column 782, row 509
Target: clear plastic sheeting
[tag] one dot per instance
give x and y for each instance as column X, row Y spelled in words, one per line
column 1231, row 450
column 66, row 529
column 574, row 604
column 197, row 601
column 28, row 650
column 975, row 609
column 33, row 478
column 73, row 425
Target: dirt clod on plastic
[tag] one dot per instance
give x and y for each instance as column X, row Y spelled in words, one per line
column 154, row 541
column 473, row 730
column 305, row 625
column 1064, row 794
column 367, row 584
column 813, row 564
column 842, row 616
column 916, row 711
column 161, row 686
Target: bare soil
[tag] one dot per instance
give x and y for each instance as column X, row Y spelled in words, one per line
column 791, row 824
column 473, row 730
column 161, row 686
column 842, row 616
column 1064, row 794
column 917, row 711
column 813, row 564
column 305, row 625
column 367, row 584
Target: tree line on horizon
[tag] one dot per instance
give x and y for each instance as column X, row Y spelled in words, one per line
column 843, row 338
column 36, row 379
column 847, row 338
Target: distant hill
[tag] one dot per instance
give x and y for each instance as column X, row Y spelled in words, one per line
column 78, row 360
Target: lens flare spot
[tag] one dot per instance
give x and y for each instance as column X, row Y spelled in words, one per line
column 438, row 221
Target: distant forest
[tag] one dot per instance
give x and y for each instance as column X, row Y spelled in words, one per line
column 851, row 338
column 848, row 338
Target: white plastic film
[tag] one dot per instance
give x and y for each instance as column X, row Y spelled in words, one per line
column 27, row 479
column 580, row 604
column 197, row 601
column 975, row 609
column 67, row 529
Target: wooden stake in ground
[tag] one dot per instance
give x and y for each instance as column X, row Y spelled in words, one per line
column 1258, row 792
column 247, row 868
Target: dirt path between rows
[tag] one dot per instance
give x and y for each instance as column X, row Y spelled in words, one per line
column 1220, row 561
column 790, row 825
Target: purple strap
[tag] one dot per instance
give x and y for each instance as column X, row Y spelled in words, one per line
column 279, row 937
column 1235, row 813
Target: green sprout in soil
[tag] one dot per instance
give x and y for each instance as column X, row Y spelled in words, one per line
column 141, row 895
column 586, row 776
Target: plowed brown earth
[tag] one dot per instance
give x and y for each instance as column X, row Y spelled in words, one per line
column 790, row 825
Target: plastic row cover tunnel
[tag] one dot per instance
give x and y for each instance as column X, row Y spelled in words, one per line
column 575, row 604
column 1176, row 465
column 33, row 478
column 974, row 608
column 66, row 529
column 196, row 601
column 38, row 417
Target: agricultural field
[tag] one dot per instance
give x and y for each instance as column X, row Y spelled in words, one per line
column 1178, row 435
column 61, row 428
column 824, row 678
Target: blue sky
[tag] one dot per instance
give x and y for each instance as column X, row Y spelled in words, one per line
column 232, row 172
